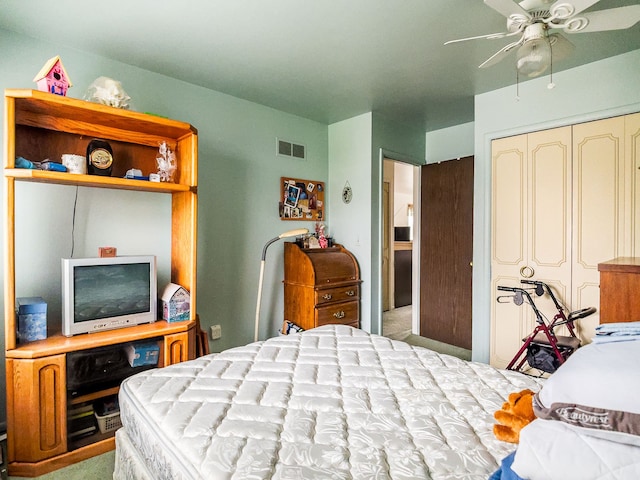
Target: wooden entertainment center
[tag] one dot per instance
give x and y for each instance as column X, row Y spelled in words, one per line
column 40, row 125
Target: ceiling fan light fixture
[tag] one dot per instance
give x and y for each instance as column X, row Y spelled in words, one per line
column 534, row 56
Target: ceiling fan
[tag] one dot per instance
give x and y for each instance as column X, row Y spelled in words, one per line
column 533, row 20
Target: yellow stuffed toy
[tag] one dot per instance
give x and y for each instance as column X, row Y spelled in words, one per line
column 514, row 415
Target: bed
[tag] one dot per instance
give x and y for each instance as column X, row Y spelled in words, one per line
column 330, row 403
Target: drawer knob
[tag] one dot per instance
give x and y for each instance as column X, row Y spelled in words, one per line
column 350, row 293
column 327, row 296
column 339, row 314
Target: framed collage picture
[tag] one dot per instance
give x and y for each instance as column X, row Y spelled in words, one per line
column 301, row 199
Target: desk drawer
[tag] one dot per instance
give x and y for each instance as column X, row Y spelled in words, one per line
column 346, row 313
column 337, row 294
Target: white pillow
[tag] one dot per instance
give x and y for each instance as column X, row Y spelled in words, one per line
column 551, row 450
column 598, row 390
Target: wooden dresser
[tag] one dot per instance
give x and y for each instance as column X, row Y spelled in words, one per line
column 620, row 290
column 321, row 286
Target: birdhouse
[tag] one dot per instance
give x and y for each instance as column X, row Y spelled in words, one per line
column 176, row 303
column 53, row 77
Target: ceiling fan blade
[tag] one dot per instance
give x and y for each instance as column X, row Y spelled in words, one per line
column 490, row 36
column 507, row 8
column 532, row 5
column 560, row 46
column 578, row 5
column 500, row 54
column 603, row 20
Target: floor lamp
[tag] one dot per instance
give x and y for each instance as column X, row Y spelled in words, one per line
column 290, row 233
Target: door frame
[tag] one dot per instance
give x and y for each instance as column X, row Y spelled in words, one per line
column 415, row 263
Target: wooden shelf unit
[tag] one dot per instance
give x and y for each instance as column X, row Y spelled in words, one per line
column 40, row 125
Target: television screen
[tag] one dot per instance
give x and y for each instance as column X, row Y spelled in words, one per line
column 104, row 291
column 108, row 292
column 402, row 234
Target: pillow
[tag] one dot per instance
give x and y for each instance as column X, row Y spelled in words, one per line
column 597, row 390
column 551, row 450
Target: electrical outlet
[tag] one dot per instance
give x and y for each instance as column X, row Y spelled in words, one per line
column 216, row 332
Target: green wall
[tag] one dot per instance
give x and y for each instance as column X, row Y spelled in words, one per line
column 350, row 154
column 356, row 148
column 449, row 143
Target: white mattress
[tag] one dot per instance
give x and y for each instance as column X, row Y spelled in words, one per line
column 329, row 403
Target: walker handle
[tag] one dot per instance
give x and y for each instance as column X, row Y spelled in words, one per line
column 539, row 286
column 518, row 299
column 583, row 312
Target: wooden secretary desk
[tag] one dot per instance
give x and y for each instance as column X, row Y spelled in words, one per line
column 321, row 286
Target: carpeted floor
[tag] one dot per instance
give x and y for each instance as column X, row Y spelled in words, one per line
column 96, row 468
column 396, row 324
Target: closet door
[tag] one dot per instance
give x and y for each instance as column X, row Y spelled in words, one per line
column 531, row 222
column 632, row 150
column 603, row 224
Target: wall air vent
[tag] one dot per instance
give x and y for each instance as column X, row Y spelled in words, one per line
column 290, row 149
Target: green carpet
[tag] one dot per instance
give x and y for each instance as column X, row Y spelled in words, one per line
column 96, row 468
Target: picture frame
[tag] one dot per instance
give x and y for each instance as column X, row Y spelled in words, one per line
column 301, row 200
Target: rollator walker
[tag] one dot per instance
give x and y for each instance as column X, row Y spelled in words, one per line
column 543, row 349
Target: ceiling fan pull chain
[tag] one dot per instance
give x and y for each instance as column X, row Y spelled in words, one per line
column 551, row 85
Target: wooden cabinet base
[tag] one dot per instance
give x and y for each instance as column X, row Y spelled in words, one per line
column 37, row 424
column 22, row 469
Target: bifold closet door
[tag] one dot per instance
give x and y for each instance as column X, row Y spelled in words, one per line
column 632, row 150
column 563, row 200
column 603, row 204
column 531, row 221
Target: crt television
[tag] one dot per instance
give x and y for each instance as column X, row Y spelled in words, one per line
column 107, row 293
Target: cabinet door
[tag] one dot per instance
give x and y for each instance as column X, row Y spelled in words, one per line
column 603, row 198
column 531, row 220
column 176, row 348
column 36, row 410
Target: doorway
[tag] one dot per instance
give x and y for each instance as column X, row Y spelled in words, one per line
column 399, row 310
column 427, row 251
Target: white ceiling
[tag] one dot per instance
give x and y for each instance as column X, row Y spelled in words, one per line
column 326, row 60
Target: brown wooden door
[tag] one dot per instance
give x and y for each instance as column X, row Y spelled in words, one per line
column 446, row 236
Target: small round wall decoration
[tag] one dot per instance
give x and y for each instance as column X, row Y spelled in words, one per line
column 347, row 193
